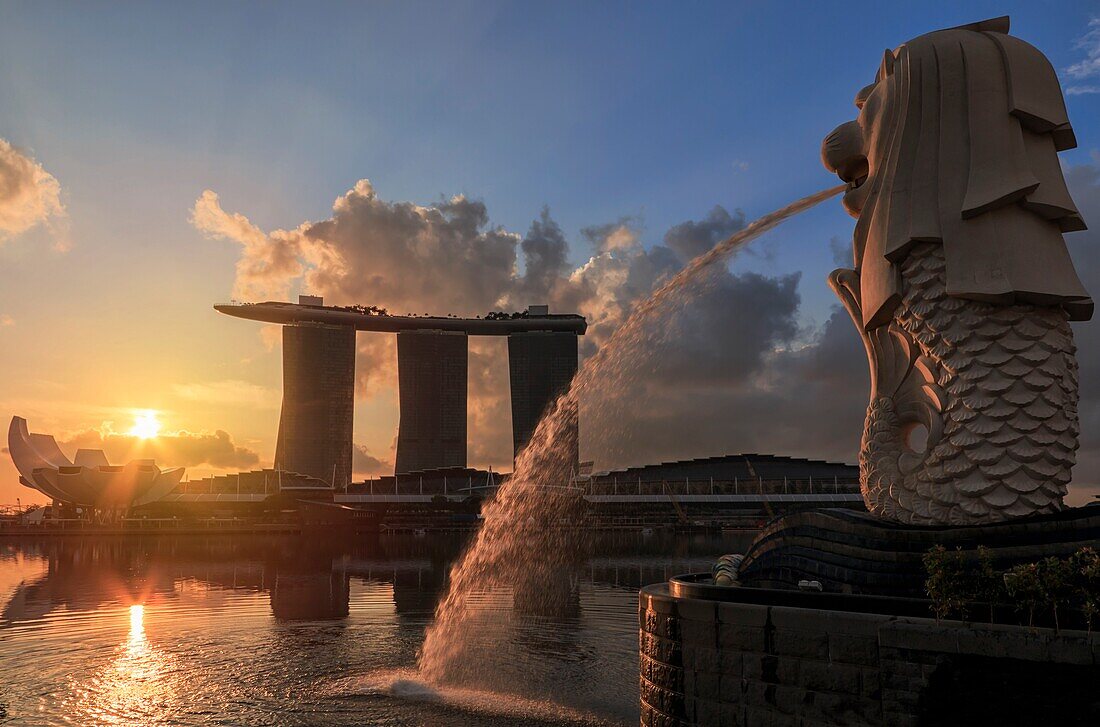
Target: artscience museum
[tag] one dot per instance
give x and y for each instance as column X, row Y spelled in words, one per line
column 88, row 479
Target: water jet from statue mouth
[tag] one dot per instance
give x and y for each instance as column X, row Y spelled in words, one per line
column 519, row 542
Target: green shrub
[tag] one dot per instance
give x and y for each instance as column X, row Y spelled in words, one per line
column 1085, row 566
column 1025, row 588
column 955, row 582
column 991, row 583
column 1056, row 579
column 947, row 585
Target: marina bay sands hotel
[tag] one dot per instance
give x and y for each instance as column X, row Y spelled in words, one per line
column 315, row 426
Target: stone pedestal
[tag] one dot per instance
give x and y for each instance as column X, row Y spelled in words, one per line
column 773, row 663
column 853, row 552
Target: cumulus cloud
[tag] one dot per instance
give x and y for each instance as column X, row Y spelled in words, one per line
column 717, row 355
column 409, row 257
column 545, row 256
column 268, row 262
column 176, row 449
column 1089, row 66
column 29, row 195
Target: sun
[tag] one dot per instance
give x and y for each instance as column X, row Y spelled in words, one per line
column 146, row 425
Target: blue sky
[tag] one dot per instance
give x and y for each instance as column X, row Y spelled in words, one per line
column 656, row 111
column 597, row 109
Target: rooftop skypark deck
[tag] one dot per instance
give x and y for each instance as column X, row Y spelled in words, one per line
column 315, row 426
column 372, row 319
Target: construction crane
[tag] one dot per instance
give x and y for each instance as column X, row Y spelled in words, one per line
column 680, row 514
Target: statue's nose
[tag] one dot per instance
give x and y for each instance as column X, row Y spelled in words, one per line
column 842, row 151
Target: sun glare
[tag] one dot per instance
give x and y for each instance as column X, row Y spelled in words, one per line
column 137, row 620
column 146, row 425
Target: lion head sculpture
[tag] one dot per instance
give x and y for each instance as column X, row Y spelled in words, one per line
column 956, row 144
column 963, row 288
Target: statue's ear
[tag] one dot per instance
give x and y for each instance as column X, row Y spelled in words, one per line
column 993, row 25
column 887, row 67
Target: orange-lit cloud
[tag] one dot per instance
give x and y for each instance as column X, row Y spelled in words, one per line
column 448, row 258
column 364, row 464
column 173, row 449
column 268, row 262
column 29, row 195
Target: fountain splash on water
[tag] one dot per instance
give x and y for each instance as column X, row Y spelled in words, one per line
column 405, row 685
column 526, row 536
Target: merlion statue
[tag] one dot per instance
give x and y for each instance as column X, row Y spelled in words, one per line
column 963, row 288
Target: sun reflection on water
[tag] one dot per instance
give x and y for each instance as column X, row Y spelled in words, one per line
column 135, row 662
column 134, row 687
column 137, row 623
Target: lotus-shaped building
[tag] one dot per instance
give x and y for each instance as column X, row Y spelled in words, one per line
column 89, row 480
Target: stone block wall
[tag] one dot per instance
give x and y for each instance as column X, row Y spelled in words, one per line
column 715, row 663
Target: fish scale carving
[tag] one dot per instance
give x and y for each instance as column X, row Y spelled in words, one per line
column 1000, row 406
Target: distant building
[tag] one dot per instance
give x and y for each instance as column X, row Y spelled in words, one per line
column 745, row 468
column 315, row 426
column 735, row 488
column 318, row 387
column 88, row 480
column 541, row 365
column 432, row 371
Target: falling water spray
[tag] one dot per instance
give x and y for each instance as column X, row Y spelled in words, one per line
column 525, row 536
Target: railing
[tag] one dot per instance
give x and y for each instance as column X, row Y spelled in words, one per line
column 736, row 486
column 144, row 525
column 457, row 487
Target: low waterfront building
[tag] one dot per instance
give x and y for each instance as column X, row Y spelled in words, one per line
column 88, row 480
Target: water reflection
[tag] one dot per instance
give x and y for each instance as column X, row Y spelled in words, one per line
column 137, row 625
column 137, row 686
column 262, row 629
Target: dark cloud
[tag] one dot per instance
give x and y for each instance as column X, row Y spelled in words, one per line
column 545, row 258
column 728, row 330
column 692, row 238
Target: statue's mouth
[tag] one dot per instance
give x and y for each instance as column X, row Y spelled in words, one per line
column 856, row 194
column 842, row 153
